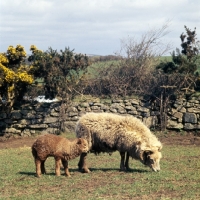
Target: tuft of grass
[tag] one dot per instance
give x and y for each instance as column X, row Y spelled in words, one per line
column 179, row 177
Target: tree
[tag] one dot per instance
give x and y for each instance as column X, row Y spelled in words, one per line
column 15, row 76
column 138, row 60
column 189, row 46
column 178, row 77
column 140, row 72
column 62, row 72
column 184, row 61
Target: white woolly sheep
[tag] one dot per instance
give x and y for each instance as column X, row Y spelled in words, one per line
column 107, row 132
column 60, row 148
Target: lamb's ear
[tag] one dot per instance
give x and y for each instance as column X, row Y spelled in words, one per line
column 79, row 141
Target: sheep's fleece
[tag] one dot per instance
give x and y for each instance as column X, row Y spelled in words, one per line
column 107, row 132
column 60, row 148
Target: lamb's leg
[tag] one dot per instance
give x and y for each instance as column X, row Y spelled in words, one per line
column 82, row 163
column 127, row 161
column 122, row 166
column 66, row 168
column 57, row 166
column 38, row 167
column 43, row 170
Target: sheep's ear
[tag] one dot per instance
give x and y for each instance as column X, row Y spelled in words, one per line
column 148, row 152
column 142, row 155
column 159, row 148
column 145, row 154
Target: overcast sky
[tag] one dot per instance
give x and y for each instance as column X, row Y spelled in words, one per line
column 92, row 26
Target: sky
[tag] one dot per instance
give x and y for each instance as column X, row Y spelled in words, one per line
column 92, row 26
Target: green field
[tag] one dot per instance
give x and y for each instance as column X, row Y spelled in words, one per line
column 179, row 177
column 94, row 68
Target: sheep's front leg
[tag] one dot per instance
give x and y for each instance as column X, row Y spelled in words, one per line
column 57, row 166
column 38, row 167
column 82, row 163
column 127, row 161
column 66, row 168
column 122, row 166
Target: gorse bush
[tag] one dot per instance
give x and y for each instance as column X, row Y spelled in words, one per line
column 61, row 71
column 62, row 74
column 15, row 75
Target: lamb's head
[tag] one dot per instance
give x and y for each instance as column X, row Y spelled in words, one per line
column 152, row 158
column 82, row 145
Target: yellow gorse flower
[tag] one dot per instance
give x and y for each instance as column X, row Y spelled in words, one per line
column 34, row 49
column 12, row 72
column 24, row 77
column 16, row 53
column 11, row 88
column 3, row 59
column 10, row 75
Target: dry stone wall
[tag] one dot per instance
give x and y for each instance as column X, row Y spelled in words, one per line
column 36, row 118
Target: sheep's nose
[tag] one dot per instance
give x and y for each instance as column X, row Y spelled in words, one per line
column 156, row 170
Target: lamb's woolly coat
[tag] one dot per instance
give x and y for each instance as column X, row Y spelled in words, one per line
column 60, row 148
column 107, row 132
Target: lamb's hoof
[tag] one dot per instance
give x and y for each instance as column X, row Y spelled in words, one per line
column 88, row 171
column 85, row 171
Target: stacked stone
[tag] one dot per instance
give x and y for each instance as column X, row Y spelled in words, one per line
column 35, row 118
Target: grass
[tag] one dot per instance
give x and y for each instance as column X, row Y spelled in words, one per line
column 93, row 70
column 179, row 177
column 166, row 58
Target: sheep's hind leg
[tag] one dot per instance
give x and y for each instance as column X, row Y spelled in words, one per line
column 82, row 163
column 57, row 166
column 122, row 166
column 66, row 168
column 38, row 167
column 43, row 170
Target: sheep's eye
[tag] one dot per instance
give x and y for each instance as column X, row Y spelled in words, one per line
column 151, row 161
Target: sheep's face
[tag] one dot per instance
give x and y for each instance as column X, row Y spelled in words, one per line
column 152, row 159
column 82, row 145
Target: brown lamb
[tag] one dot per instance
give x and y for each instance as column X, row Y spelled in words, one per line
column 58, row 147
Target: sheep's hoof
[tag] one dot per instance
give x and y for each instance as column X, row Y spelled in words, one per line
column 124, row 169
column 128, row 169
